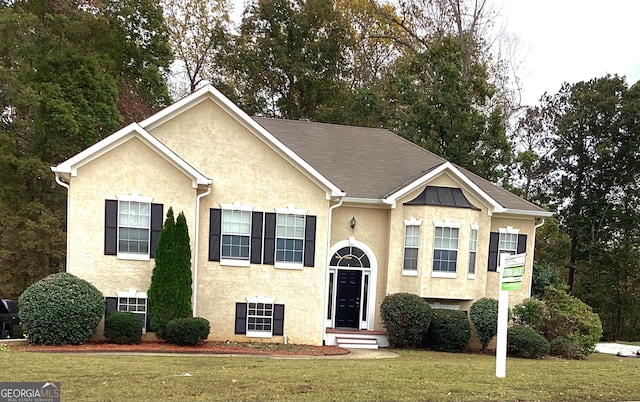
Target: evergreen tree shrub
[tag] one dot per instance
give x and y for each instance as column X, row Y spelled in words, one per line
column 406, row 317
column 449, row 331
column 60, row 309
column 531, row 312
column 187, row 331
column 123, row 327
column 523, row 341
column 484, row 316
column 170, row 290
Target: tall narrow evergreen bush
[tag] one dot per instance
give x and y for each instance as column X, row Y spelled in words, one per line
column 170, row 290
column 484, row 315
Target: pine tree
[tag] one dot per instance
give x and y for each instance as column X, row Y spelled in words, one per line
column 170, row 290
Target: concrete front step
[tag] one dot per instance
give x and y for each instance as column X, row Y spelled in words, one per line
column 357, row 343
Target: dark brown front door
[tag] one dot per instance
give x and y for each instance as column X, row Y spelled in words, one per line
column 348, row 298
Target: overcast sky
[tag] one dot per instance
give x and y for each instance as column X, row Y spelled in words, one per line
column 569, row 41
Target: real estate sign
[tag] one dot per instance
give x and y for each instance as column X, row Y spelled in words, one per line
column 512, row 272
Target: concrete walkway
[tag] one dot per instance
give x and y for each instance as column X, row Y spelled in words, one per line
column 615, row 348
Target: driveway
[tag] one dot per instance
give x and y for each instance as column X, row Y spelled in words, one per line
column 615, row 348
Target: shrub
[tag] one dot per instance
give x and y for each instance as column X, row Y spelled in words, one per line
column 531, row 312
column 449, row 331
column 60, row 309
column 563, row 347
column 484, row 315
column 523, row 341
column 571, row 318
column 170, row 289
column 543, row 275
column 123, row 327
column 406, row 318
column 187, row 331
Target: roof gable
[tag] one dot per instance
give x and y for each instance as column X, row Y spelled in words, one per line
column 71, row 165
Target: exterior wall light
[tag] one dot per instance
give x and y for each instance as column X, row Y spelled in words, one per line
column 353, row 222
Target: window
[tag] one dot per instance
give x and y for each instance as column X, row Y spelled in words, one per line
column 473, row 248
column 289, row 238
column 508, row 243
column 134, row 302
column 411, row 245
column 132, row 226
column 236, row 234
column 445, row 249
column 260, row 317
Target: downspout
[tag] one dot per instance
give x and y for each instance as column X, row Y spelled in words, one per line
column 328, row 259
column 196, row 249
column 65, row 185
column 535, row 229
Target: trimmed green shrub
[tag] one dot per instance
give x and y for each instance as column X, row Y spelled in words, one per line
column 562, row 347
column 406, row 318
column 523, row 341
column 531, row 312
column 569, row 317
column 170, row 289
column 123, row 327
column 484, row 316
column 60, row 309
column 187, row 331
column 449, row 331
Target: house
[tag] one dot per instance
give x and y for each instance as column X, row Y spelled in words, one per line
column 298, row 229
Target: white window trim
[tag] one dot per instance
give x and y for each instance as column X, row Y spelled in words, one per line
column 238, row 206
column 410, row 222
column 441, row 274
column 290, row 210
column 446, row 224
column 288, row 265
column 265, row 300
column 509, row 229
column 476, row 227
column 133, row 197
column 229, row 262
column 232, row 262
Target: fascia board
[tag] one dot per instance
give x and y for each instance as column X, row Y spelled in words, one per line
column 246, row 120
column 522, row 212
column 72, row 164
column 393, row 198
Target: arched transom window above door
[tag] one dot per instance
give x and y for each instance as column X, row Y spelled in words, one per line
column 350, row 257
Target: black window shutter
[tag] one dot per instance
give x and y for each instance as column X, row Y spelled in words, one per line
column 310, row 241
column 256, row 238
column 215, row 218
column 156, row 227
column 492, row 264
column 269, row 238
column 111, row 305
column 278, row 319
column 241, row 318
column 110, row 227
column 522, row 244
column 147, row 324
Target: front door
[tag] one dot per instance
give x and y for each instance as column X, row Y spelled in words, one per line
column 348, row 298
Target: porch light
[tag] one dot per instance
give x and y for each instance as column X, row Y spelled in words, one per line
column 353, row 222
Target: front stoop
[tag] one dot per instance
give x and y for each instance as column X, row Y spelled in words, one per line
column 357, row 343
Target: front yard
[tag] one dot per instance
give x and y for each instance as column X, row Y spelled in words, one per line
column 415, row 375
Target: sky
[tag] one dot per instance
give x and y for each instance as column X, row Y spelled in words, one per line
column 568, row 41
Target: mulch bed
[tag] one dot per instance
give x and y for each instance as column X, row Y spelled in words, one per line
column 202, row 348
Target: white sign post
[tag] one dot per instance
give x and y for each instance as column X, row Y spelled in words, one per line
column 511, row 270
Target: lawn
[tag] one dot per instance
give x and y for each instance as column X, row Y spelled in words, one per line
column 415, row 375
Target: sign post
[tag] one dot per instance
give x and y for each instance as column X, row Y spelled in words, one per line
column 511, row 270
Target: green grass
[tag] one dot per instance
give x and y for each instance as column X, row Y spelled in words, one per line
column 415, row 375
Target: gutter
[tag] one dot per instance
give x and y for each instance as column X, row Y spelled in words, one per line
column 327, row 261
column 65, row 185
column 196, row 252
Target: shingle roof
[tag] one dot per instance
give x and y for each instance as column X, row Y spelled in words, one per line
column 370, row 163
